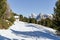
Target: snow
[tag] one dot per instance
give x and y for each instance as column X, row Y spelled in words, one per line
column 43, row 16
column 16, row 16
column 28, row 31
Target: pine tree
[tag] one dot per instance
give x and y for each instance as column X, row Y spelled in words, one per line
column 21, row 17
column 5, row 14
column 56, row 20
column 48, row 22
column 3, row 7
column 32, row 20
column 25, row 19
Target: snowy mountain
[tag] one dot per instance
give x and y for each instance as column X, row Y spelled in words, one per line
column 28, row 31
column 41, row 16
column 44, row 16
column 33, row 15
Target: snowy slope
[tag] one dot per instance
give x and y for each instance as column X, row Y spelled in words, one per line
column 27, row 31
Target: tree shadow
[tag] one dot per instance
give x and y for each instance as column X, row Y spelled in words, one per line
column 46, row 31
column 28, row 25
column 36, row 34
column 4, row 38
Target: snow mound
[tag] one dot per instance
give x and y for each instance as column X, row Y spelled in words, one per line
column 28, row 31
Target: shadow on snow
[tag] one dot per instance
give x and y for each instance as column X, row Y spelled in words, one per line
column 35, row 34
column 4, row 38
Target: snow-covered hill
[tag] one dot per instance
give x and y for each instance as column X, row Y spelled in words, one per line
column 28, row 31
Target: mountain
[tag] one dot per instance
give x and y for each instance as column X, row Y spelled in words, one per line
column 28, row 31
column 33, row 15
column 44, row 16
column 41, row 16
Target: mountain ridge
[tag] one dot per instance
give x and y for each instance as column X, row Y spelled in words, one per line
column 41, row 16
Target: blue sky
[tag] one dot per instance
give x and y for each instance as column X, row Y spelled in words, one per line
column 26, row 7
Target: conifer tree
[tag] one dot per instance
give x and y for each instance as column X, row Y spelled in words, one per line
column 3, row 7
column 56, row 20
column 6, row 19
column 21, row 17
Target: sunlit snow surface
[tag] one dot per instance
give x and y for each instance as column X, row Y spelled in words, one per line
column 27, row 31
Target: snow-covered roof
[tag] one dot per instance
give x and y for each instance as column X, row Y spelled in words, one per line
column 16, row 16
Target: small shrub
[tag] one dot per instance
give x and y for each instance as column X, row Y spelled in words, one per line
column 12, row 19
column 4, row 24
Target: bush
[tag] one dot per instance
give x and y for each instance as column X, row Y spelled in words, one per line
column 12, row 19
column 20, row 17
column 4, row 24
column 25, row 19
column 32, row 20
